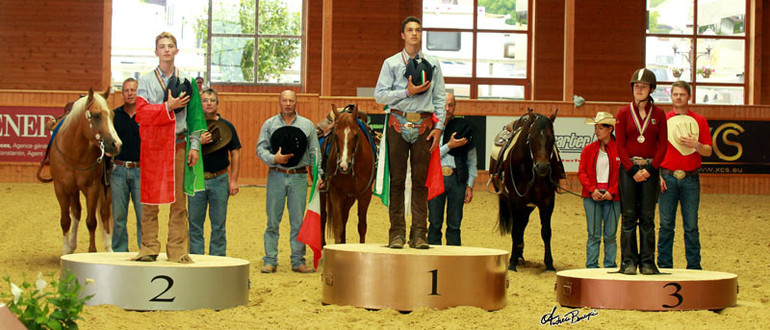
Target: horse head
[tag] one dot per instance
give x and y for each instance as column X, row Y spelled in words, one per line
column 101, row 131
column 540, row 138
column 346, row 136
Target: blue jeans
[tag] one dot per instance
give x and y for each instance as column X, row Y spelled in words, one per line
column 454, row 198
column 687, row 193
column 602, row 221
column 124, row 183
column 215, row 197
column 289, row 190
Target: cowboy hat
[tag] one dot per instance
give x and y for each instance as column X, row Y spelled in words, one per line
column 421, row 71
column 177, row 86
column 291, row 140
column 601, row 118
column 221, row 134
column 679, row 126
column 464, row 129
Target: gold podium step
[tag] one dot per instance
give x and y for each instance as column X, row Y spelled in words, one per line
column 374, row 276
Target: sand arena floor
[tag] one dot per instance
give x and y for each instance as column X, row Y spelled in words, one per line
column 735, row 237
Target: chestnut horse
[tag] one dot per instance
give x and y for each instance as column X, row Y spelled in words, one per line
column 84, row 137
column 350, row 172
column 530, row 174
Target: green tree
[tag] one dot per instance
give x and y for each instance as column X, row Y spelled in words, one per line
column 502, row 7
column 275, row 54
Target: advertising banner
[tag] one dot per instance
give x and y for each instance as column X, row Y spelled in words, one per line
column 23, row 137
column 740, row 147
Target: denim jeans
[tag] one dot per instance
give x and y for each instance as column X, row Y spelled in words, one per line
column 454, row 198
column 687, row 193
column 215, row 198
column 124, row 183
column 602, row 221
column 289, row 190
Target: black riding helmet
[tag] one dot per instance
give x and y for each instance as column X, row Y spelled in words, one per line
column 645, row 76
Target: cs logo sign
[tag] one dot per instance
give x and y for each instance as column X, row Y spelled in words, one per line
column 726, row 133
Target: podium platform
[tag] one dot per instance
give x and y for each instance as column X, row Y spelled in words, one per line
column 675, row 289
column 374, row 276
column 211, row 282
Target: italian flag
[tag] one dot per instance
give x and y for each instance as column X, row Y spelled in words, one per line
column 310, row 232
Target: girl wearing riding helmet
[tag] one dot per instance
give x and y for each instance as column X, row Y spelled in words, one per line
column 598, row 173
column 641, row 143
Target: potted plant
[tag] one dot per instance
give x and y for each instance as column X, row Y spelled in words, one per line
column 705, row 71
column 677, row 72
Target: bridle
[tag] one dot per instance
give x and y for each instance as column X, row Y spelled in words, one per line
column 528, row 144
column 96, row 135
column 335, row 149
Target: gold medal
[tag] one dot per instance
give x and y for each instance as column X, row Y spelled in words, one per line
column 640, row 139
column 641, row 125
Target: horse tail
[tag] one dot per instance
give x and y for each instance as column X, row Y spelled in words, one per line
column 504, row 223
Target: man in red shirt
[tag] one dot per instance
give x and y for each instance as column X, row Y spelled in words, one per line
column 689, row 138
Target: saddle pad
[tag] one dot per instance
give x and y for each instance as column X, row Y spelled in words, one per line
column 496, row 149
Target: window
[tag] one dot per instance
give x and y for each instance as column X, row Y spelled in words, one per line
column 133, row 44
column 702, row 42
column 483, row 47
column 224, row 50
column 254, row 41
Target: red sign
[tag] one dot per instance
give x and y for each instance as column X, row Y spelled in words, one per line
column 23, row 137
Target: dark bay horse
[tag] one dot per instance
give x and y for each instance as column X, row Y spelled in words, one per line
column 84, row 137
column 349, row 174
column 530, row 171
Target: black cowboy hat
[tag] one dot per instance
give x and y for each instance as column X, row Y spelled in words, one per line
column 421, row 71
column 464, row 129
column 221, row 134
column 177, row 86
column 291, row 140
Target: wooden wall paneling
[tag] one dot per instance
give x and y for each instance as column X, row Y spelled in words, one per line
column 548, row 51
column 762, row 54
column 569, row 50
column 607, row 54
column 326, row 47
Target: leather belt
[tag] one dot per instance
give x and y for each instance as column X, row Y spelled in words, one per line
column 211, row 175
column 411, row 116
column 291, row 170
column 126, row 164
column 679, row 174
column 180, row 138
column 641, row 161
column 448, row 171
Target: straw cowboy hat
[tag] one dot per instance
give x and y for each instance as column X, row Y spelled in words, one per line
column 601, row 118
column 220, row 136
column 679, row 126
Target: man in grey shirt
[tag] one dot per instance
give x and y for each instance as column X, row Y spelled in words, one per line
column 287, row 181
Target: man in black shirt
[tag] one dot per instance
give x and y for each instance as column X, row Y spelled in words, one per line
column 221, row 149
column 124, row 179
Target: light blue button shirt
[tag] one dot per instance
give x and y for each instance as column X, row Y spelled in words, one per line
column 391, row 88
column 150, row 89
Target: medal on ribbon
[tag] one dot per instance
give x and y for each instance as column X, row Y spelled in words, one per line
column 641, row 127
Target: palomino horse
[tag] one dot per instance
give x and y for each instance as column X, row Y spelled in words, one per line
column 350, row 172
column 85, row 136
column 531, row 170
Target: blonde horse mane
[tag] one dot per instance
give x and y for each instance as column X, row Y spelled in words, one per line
column 79, row 107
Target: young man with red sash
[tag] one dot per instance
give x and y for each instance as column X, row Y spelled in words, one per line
column 170, row 132
column 641, row 142
column 689, row 138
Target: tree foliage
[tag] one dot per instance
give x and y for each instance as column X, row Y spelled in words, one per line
column 502, row 7
column 235, row 55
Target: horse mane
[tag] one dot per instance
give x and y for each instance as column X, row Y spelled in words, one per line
column 79, row 107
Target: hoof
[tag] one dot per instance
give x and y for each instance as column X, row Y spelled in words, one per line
column 512, row 267
column 550, row 268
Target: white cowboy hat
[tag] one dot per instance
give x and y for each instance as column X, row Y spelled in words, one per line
column 679, row 126
column 601, row 118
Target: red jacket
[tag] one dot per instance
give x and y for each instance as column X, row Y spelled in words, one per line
column 587, row 169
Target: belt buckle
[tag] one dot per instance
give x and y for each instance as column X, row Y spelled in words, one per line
column 412, row 116
column 447, row 171
column 409, row 124
column 680, row 174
